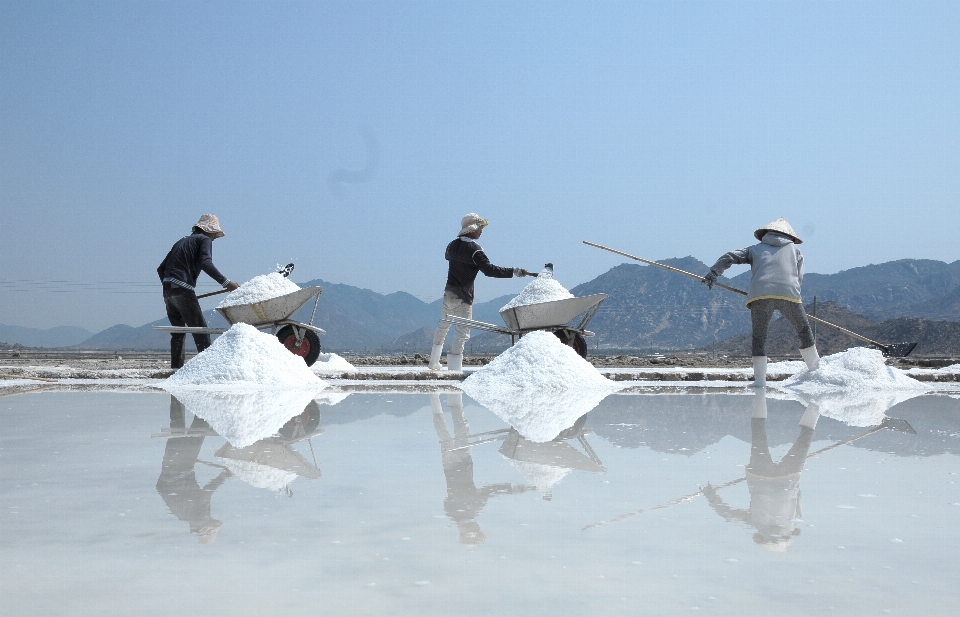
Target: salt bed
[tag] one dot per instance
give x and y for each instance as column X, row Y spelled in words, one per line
column 245, row 356
column 260, row 288
column 854, row 386
column 544, row 288
column 539, row 386
column 331, row 363
column 244, row 416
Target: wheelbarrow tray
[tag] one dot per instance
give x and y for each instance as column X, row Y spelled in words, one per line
column 549, row 314
column 269, row 312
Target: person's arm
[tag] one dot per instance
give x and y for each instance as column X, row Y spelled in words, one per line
column 800, row 270
column 163, row 265
column 739, row 256
column 205, row 257
column 480, row 260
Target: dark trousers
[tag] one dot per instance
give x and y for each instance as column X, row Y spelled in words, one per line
column 183, row 309
column 761, row 311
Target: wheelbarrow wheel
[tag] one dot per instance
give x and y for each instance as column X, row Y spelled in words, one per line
column 576, row 341
column 309, row 348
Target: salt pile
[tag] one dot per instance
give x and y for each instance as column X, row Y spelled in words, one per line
column 331, row 363
column 544, row 477
column 539, row 386
column 260, row 288
column 544, row 288
column 854, row 386
column 259, row 476
column 244, row 416
column 244, row 355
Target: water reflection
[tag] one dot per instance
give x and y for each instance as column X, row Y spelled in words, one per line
column 775, row 503
column 177, row 484
column 464, row 499
column 270, row 463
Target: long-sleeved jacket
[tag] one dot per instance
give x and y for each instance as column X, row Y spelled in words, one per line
column 186, row 259
column 466, row 259
column 776, row 267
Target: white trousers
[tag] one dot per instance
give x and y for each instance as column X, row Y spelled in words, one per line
column 453, row 305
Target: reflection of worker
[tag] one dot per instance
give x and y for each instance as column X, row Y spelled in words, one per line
column 774, row 487
column 466, row 259
column 776, row 273
column 178, row 485
column 179, row 271
column 464, row 500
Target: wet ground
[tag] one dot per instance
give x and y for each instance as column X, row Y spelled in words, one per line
column 118, row 503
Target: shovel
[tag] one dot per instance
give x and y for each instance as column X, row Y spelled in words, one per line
column 893, row 350
column 285, row 271
column 895, row 424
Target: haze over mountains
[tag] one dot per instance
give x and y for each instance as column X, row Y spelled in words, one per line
column 648, row 308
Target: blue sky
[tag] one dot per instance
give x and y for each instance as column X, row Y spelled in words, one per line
column 351, row 137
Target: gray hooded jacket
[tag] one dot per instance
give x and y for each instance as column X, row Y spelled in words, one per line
column 776, row 266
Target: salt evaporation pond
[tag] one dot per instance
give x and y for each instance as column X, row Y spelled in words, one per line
column 421, row 504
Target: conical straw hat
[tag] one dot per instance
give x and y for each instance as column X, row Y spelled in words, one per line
column 781, row 226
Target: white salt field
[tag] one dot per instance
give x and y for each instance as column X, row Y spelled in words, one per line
column 420, row 503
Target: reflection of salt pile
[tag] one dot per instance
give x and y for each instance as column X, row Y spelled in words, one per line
column 330, row 398
column 244, row 355
column 544, row 477
column 544, row 288
column 855, row 387
column 539, row 386
column 331, row 363
column 243, row 417
column 260, row 288
column 259, row 476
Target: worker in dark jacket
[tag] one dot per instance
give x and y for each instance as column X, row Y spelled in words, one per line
column 467, row 259
column 179, row 272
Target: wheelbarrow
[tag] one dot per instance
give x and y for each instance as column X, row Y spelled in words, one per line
column 555, row 316
column 301, row 339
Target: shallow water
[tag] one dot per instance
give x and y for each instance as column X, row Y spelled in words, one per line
column 415, row 504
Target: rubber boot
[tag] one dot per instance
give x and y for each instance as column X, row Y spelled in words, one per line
column 759, row 405
column 811, row 357
column 455, row 362
column 759, row 371
column 810, row 416
column 435, row 357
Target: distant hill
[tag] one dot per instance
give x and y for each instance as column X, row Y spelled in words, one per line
column 945, row 308
column 124, row 337
column 61, row 336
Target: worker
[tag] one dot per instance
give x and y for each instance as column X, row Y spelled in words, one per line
column 776, row 267
column 466, row 259
column 179, row 272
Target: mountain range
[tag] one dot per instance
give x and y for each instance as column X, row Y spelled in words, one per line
column 649, row 308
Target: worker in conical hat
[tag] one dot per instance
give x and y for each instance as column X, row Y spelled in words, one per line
column 467, row 259
column 776, row 268
column 178, row 274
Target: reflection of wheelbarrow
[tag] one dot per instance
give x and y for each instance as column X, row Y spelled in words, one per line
column 553, row 316
column 300, row 338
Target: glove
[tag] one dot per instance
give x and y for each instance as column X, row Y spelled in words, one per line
column 520, row 272
column 709, row 279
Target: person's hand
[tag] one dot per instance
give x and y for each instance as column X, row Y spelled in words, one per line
column 709, row 279
column 520, row 272
column 232, row 286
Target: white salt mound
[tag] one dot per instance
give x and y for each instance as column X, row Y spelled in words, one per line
column 544, row 288
column 259, row 476
column 244, row 416
column 331, row 363
column 539, row 386
column 244, row 355
column 854, row 386
column 260, row 288
column 544, row 477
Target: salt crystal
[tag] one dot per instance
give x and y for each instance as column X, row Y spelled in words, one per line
column 855, row 387
column 331, row 363
column 244, row 355
column 539, row 386
column 544, row 288
column 260, row 288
